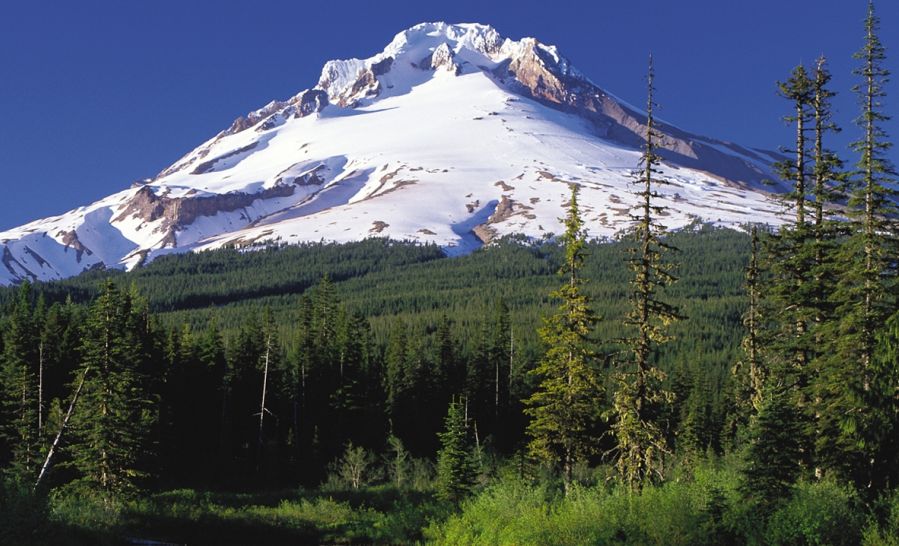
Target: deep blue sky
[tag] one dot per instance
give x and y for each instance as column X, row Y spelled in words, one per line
column 95, row 94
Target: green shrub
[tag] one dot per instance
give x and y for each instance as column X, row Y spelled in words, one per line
column 23, row 514
column 886, row 531
column 817, row 513
column 689, row 512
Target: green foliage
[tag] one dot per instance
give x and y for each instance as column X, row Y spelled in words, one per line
column 18, row 396
column 115, row 412
column 697, row 511
column 773, row 455
column 356, row 467
column 883, row 530
column 566, row 404
column 23, row 514
column 640, row 400
column 817, row 514
column 455, row 462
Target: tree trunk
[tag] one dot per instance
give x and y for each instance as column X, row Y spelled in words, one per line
column 62, row 428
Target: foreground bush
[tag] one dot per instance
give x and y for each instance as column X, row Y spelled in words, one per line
column 886, row 531
column 819, row 513
column 689, row 512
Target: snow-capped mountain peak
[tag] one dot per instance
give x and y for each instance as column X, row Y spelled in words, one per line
column 452, row 134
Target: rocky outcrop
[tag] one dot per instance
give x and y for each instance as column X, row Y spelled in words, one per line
column 70, row 239
column 346, row 83
column 442, row 58
column 309, row 102
column 243, row 123
column 7, row 259
column 177, row 212
column 505, row 209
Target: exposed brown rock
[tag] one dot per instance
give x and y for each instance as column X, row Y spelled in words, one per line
column 378, row 226
column 70, row 239
column 503, row 211
column 484, row 233
column 182, row 211
column 442, row 58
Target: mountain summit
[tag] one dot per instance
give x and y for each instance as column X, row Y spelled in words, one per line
column 452, row 135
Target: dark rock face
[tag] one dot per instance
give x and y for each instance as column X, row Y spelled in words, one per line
column 178, row 212
column 382, row 67
column 310, row 102
column 441, row 58
column 70, row 239
column 7, row 259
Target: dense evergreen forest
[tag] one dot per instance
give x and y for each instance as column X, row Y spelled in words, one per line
column 704, row 386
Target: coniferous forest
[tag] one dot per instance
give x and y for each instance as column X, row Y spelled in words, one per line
column 703, row 386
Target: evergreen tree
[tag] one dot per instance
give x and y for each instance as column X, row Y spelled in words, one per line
column 866, row 289
column 640, row 400
column 882, row 438
column 566, row 404
column 19, row 381
column 115, row 413
column 788, row 296
column 750, row 372
column 772, row 460
column 455, row 462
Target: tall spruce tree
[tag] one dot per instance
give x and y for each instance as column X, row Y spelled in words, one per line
column 789, row 291
column 114, row 413
column 566, row 404
column 640, row 399
column 865, row 296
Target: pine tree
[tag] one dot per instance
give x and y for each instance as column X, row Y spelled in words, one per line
column 19, row 382
column 114, row 414
column 455, row 462
column 866, row 288
column 789, row 252
column 772, row 461
column 639, row 399
column 565, row 406
column 883, row 426
column 750, row 372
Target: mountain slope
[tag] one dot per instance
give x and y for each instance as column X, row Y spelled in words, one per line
column 451, row 135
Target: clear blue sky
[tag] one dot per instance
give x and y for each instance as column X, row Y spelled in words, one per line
column 96, row 94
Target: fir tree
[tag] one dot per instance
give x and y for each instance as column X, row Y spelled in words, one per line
column 772, row 461
column 640, row 399
column 866, row 288
column 19, row 381
column 565, row 406
column 750, row 372
column 114, row 413
column 455, row 462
